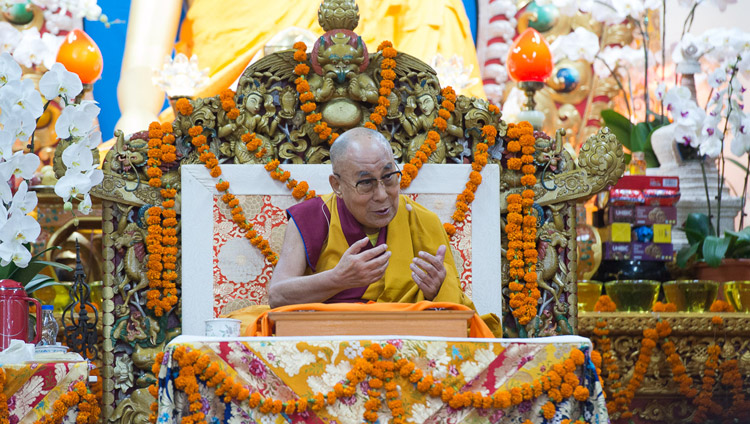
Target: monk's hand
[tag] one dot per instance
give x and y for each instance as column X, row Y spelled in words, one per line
column 359, row 268
column 428, row 272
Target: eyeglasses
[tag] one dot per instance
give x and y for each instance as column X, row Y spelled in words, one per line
column 367, row 186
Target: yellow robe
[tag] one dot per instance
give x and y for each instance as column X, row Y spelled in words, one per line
column 227, row 35
column 407, row 234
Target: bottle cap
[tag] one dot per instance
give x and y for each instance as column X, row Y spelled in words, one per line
column 639, row 155
column 48, row 307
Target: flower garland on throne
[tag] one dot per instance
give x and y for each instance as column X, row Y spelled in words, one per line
column 256, row 114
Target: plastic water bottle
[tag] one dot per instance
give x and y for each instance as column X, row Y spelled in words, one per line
column 49, row 326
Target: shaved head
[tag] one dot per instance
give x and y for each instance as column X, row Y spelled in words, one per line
column 355, row 139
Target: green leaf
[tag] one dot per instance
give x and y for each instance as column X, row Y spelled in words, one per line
column 639, row 137
column 684, row 255
column 714, row 250
column 739, row 165
column 698, row 227
column 651, row 160
column 620, row 126
column 25, row 275
column 39, row 282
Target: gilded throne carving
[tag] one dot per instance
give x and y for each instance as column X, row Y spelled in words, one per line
column 345, row 80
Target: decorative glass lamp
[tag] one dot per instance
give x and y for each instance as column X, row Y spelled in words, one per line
column 530, row 64
column 80, row 55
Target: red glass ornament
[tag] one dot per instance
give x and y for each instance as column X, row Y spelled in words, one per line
column 529, row 59
column 80, row 55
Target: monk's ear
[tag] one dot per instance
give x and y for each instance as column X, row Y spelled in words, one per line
column 335, row 184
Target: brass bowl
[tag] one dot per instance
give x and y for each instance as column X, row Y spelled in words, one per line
column 737, row 294
column 633, row 295
column 691, row 295
column 588, row 294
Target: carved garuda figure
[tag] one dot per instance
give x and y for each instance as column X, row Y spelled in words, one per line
column 291, row 104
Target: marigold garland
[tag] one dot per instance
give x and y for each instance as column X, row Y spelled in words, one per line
column 161, row 239
column 387, row 75
column 88, row 407
column 521, row 227
column 432, row 139
column 481, row 156
column 210, row 161
column 379, row 366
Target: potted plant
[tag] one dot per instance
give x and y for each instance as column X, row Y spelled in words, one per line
column 718, row 258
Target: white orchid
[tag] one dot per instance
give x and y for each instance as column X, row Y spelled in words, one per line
column 74, row 183
column 56, row 22
column 14, row 252
column 20, row 165
column 579, row 44
column 9, row 69
column 24, row 201
column 6, row 144
column 84, row 206
column 9, row 37
column 77, row 158
column 22, row 94
column 21, row 229
column 59, row 82
column 77, row 121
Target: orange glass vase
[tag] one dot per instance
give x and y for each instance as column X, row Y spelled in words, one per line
column 80, row 55
column 529, row 59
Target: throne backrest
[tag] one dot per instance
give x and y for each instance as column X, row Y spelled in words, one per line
column 222, row 271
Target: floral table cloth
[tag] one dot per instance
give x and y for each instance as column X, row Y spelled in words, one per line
column 32, row 388
column 289, row 369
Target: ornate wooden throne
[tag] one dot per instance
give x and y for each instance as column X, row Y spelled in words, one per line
column 345, row 81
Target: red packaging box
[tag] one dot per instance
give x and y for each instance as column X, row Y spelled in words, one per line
column 645, row 190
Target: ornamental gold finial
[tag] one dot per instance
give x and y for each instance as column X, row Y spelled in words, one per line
column 338, row 14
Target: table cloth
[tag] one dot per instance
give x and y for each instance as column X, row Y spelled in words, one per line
column 291, row 368
column 32, row 388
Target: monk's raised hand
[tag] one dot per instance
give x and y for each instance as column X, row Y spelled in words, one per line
column 428, row 272
column 359, row 268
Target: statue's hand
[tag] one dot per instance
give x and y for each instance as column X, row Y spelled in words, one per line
column 428, row 272
column 357, row 268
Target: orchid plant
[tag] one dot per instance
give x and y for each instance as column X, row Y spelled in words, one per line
column 21, row 104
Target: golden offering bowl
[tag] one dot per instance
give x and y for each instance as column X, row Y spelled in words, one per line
column 633, row 295
column 691, row 295
column 588, row 293
column 59, row 296
column 738, row 295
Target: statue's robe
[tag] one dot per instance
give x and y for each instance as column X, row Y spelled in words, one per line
column 227, row 36
column 328, row 229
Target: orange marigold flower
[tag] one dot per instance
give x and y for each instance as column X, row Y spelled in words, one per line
column 301, row 69
column 514, row 146
column 300, row 55
column 184, row 107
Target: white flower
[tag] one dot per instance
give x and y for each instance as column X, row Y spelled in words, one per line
column 9, row 69
column 567, row 7
column 603, row 11
column 20, row 229
column 6, row 143
column 24, row 201
column 76, row 120
column 30, row 50
column 14, row 252
column 56, row 22
column 21, row 94
column 717, row 78
column 74, row 183
column 85, row 206
column 626, row 8
column 741, row 137
column 20, row 164
column 77, row 158
column 579, row 44
column 722, row 4
column 710, row 146
column 9, row 37
column 675, row 98
column 59, row 82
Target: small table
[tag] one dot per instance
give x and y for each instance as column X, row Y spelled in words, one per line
column 32, row 388
column 376, row 323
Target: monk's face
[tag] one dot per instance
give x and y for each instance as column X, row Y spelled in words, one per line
column 372, row 203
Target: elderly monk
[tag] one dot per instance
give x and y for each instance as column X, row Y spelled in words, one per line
column 365, row 241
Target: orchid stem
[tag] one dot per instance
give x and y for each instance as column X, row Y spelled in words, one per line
column 722, row 161
column 619, row 84
column 705, row 186
column 744, row 194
